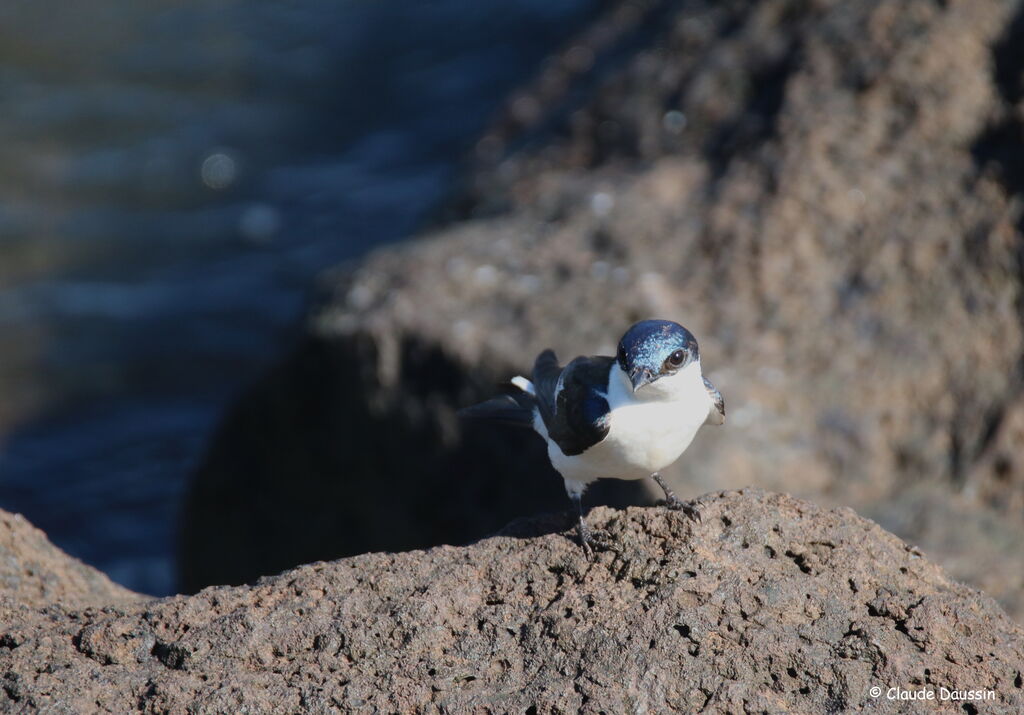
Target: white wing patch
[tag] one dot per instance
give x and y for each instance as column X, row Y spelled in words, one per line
column 523, row 384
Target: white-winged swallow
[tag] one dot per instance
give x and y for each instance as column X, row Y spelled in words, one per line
column 622, row 417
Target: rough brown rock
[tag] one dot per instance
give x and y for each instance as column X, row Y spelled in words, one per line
column 770, row 604
column 36, row 573
column 835, row 212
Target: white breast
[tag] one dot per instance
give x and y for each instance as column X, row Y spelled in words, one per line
column 648, row 429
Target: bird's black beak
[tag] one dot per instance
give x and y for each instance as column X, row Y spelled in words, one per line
column 640, row 376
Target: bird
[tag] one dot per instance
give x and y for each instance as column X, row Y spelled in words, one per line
column 624, row 417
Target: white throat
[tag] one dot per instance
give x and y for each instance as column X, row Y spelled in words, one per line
column 686, row 385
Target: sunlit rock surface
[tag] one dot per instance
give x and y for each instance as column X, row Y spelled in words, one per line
column 35, row 573
column 769, row 604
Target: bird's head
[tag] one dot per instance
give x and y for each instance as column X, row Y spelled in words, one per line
column 653, row 349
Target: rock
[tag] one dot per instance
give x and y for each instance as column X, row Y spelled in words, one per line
column 770, row 604
column 974, row 533
column 826, row 193
column 36, row 573
column 997, row 478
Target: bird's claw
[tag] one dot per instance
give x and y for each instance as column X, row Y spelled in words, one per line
column 601, row 540
column 588, row 550
column 676, row 504
column 586, row 538
column 594, row 541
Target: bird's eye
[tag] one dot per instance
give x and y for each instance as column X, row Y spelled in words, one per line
column 676, row 358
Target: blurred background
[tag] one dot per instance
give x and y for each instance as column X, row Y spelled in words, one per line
column 208, row 375
column 174, row 175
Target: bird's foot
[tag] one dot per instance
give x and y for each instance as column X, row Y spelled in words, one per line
column 601, row 540
column 687, row 507
column 675, row 503
column 586, row 538
column 593, row 541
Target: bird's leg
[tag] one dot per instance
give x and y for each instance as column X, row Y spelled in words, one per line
column 675, row 503
column 581, row 526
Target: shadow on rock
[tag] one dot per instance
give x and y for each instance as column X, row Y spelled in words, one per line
column 327, row 458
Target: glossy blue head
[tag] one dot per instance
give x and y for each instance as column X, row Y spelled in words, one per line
column 653, row 349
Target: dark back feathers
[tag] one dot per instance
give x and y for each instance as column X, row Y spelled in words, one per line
column 573, row 400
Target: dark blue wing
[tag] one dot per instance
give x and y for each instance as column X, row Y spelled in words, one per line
column 546, row 372
column 572, row 400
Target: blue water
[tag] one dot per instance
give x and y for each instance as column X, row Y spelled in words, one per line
column 174, row 175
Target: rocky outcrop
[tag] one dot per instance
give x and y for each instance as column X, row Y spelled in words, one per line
column 769, row 604
column 36, row 573
column 826, row 193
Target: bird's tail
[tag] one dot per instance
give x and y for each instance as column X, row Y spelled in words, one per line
column 515, row 409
